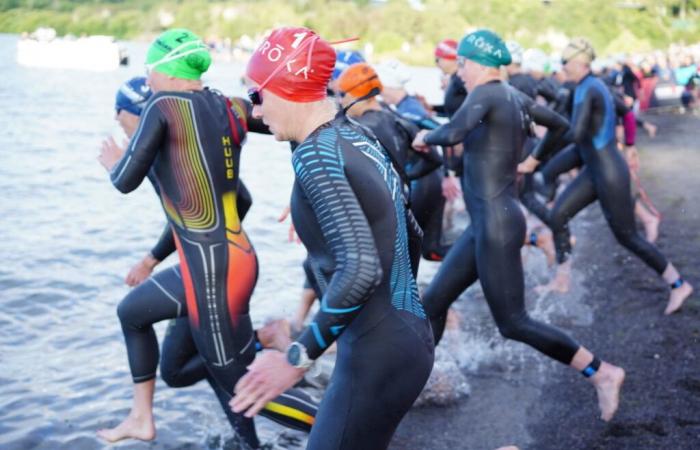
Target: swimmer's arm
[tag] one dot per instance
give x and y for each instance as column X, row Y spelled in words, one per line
column 546, row 90
column 165, row 245
column 243, row 200
column 130, row 171
column 349, row 237
column 557, row 126
column 620, row 108
column 581, row 127
column 467, row 117
column 254, row 125
column 427, row 161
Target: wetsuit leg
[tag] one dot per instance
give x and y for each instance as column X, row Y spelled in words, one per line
column 428, row 205
column 498, row 243
column 158, row 298
column 618, row 207
column 577, row 195
column 180, row 363
column 530, row 200
column 457, row 272
column 222, row 330
column 567, row 159
column 349, row 419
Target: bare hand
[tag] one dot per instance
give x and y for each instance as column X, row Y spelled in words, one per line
column 419, row 142
column 110, row 154
column 529, row 165
column 292, row 234
column 268, row 376
column 141, row 271
column 451, row 189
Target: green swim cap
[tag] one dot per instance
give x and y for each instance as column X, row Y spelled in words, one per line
column 179, row 53
column 484, row 47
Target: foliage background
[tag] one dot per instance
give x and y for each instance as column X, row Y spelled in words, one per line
column 402, row 28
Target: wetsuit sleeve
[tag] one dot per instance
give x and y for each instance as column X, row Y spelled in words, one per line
column 557, row 126
column 547, row 90
column 347, row 234
column 130, row 171
column 620, row 108
column 582, row 123
column 165, row 245
column 468, row 116
column 243, row 200
column 244, row 109
column 427, row 161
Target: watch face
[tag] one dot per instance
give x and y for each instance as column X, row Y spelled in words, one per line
column 294, row 355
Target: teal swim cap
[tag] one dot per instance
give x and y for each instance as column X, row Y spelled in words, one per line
column 179, row 53
column 484, row 47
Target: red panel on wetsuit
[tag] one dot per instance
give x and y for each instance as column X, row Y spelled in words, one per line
column 190, row 296
column 242, row 274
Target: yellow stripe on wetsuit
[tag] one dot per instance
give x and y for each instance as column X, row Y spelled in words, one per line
column 288, row 411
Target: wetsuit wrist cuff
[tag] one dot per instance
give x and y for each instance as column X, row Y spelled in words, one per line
column 678, row 283
column 592, row 368
column 258, row 345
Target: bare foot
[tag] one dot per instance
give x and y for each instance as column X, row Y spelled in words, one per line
column 651, row 129
column 141, row 428
column 608, row 382
column 678, row 297
column 561, row 282
column 275, row 334
column 545, row 241
column 651, row 228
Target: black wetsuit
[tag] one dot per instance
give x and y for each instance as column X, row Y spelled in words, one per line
column 190, row 143
column 605, row 176
column 417, row 169
column 524, row 83
column 427, row 201
column 455, row 94
column 348, row 209
column 490, row 125
column 556, row 126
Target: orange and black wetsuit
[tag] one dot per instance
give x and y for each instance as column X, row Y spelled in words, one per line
column 190, row 142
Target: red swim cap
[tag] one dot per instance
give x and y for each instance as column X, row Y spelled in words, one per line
column 293, row 63
column 446, row 49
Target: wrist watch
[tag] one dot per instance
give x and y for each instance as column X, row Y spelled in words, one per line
column 297, row 356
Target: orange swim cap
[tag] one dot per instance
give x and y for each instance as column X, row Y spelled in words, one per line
column 359, row 80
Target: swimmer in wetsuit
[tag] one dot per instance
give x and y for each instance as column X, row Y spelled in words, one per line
column 605, row 177
column 490, row 125
column 189, row 141
column 427, row 199
column 348, row 209
column 358, row 86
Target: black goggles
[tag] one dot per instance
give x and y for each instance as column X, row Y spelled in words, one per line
column 255, row 96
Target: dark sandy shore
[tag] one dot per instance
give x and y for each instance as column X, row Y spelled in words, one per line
column 552, row 407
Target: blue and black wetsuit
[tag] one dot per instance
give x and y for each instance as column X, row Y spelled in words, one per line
column 348, row 209
column 427, row 201
column 190, row 143
column 605, row 176
column 490, row 125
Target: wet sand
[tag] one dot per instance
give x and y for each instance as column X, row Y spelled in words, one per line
column 540, row 405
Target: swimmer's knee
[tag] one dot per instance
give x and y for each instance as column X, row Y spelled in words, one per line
column 171, row 376
column 514, row 329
